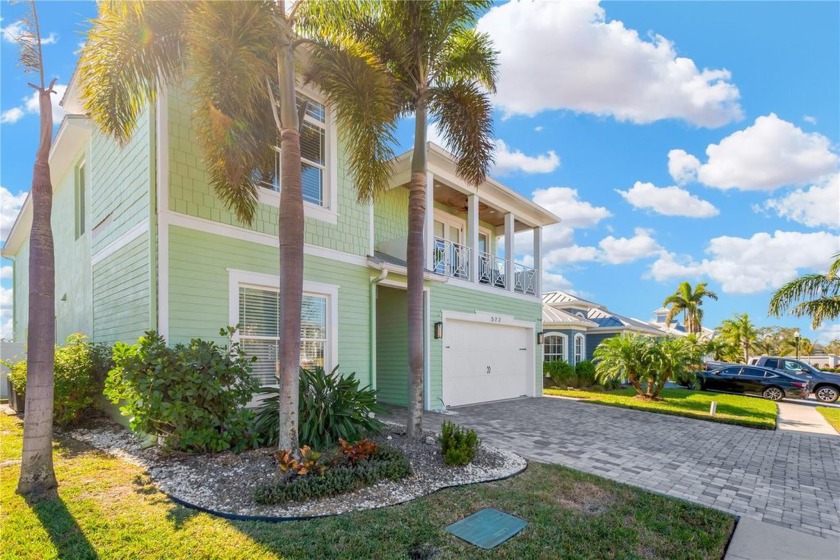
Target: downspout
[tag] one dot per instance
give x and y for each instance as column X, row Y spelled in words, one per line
column 373, row 283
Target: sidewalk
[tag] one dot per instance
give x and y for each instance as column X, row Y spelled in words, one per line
column 755, row 540
column 800, row 417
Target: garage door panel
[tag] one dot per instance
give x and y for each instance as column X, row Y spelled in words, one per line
column 485, row 362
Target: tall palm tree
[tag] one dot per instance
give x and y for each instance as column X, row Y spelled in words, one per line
column 688, row 301
column 436, row 65
column 739, row 331
column 239, row 59
column 37, row 475
column 818, row 296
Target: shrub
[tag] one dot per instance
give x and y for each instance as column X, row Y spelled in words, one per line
column 356, row 452
column 310, row 462
column 457, row 445
column 562, row 373
column 384, row 464
column 332, row 407
column 585, row 372
column 193, row 396
column 75, row 382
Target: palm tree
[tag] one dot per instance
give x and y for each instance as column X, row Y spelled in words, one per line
column 242, row 84
column 688, row 302
column 674, row 358
column 435, row 64
column 818, row 296
column 37, row 475
column 739, row 331
column 627, row 356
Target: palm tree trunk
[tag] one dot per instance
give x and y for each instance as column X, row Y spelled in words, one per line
column 37, row 476
column 416, row 263
column 291, row 253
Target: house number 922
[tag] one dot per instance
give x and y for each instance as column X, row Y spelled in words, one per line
column 494, row 319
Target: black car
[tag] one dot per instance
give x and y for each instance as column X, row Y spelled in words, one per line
column 769, row 383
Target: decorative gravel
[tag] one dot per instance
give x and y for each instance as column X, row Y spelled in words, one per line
column 224, row 482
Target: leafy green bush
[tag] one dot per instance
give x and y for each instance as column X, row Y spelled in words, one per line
column 384, row 464
column 585, row 372
column 562, row 373
column 75, row 382
column 193, row 396
column 457, row 445
column 332, row 407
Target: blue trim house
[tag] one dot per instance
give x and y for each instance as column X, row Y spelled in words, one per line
column 574, row 327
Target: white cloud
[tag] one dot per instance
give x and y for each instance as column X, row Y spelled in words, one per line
column 570, row 254
column 6, row 324
column 628, row 249
column 5, row 272
column 13, row 31
column 553, row 281
column 566, row 55
column 828, row 332
column 668, row 201
column 9, row 207
column 816, row 206
column 564, row 203
column 7, row 330
column 809, row 119
column 771, row 153
column 538, row 129
column 31, row 106
column 751, row 265
column 682, row 166
column 81, row 46
column 507, row 161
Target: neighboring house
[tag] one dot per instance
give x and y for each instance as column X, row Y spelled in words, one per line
column 142, row 242
column 578, row 326
column 677, row 328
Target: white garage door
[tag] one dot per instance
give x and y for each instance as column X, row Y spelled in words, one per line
column 485, row 362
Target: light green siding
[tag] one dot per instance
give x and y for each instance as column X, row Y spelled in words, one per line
column 120, row 180
column 73, row 296
column 390, row 216
column 199, row 296
column 121, row 293
column 391, row 346
column 190, row 192
column 465, row 300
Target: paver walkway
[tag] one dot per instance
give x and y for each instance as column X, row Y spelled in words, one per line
column 789, row 479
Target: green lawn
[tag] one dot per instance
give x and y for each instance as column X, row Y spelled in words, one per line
column 832, row 415
column 110, row 509
column 731, row 409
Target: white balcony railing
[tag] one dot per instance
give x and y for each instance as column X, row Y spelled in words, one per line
column 451, row 259
column 491, row 270
column 524, row 279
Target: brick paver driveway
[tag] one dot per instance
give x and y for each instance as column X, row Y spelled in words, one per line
column 786, row 478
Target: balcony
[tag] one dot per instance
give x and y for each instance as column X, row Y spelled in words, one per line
column 453, row 260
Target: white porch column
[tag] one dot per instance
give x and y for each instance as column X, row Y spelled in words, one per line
column 429, row 230
column 538, row 261
column 509, row 221
column 472, row 234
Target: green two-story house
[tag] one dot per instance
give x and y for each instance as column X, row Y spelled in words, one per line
column 142, row 242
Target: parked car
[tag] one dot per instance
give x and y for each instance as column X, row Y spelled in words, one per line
column 825, row 385
column 769, row 383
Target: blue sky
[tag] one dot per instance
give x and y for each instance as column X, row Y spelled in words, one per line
column 677, row 140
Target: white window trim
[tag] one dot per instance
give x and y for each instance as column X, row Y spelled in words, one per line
column 452, row 220
column 582, row 339
column 240, row 278
column 80, row 225
column 329, row 211
column 565, row 338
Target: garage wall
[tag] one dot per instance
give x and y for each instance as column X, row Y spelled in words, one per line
column 444, row 297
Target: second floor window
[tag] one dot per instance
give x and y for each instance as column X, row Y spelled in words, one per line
column 313, row 154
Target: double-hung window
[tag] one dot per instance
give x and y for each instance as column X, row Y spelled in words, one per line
column 554, row 348
column 580, row 348
column 314, row 144
column 259, row 329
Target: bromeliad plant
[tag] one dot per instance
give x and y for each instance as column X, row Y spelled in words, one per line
column 332, row 407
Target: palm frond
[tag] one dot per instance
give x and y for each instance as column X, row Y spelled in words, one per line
column 29, row 41
column 469, row 53
column 366, row 104
column 808, row 286
column 465, row 118
column 820, row 310
column 132, row 49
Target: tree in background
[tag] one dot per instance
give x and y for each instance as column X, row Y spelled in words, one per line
column 438, row 66
column 688, row 301
column 814, row 295
column 741, row 332
column 238, row 60
column 832, row 347
column 37, row 475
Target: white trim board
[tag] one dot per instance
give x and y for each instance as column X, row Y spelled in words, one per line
column 242, row 234
column 120, row 242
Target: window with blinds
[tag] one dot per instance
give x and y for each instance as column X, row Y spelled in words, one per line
column 313, row 153
column 259, row 334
